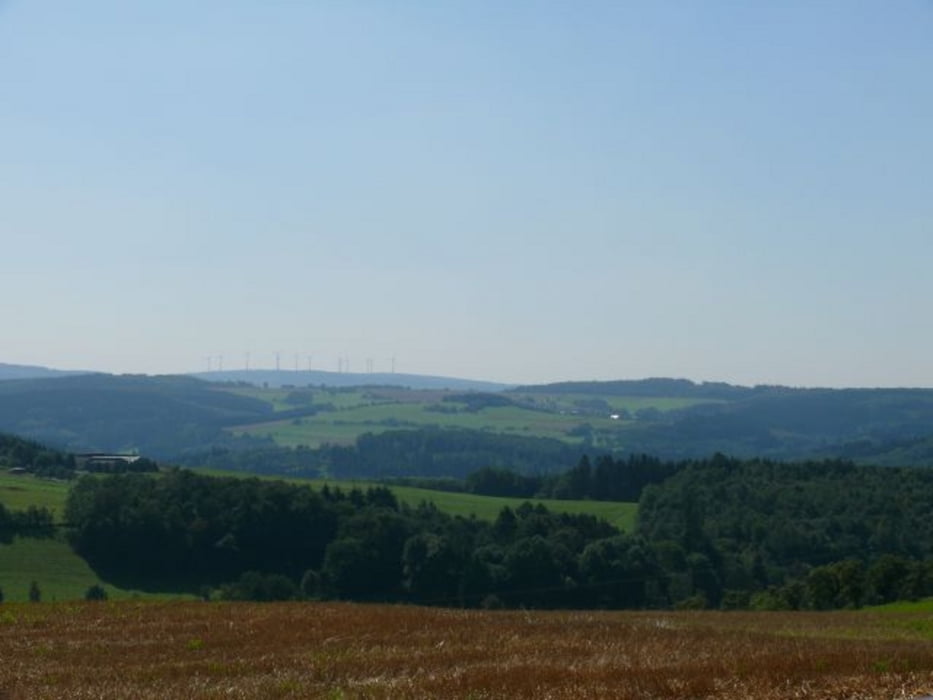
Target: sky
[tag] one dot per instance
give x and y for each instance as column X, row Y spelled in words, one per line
column 522, row 192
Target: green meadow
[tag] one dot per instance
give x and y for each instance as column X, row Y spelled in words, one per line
column 344, row 426
column 20, row 492
column 352, row 412
column 622, row 515
column 60, row 573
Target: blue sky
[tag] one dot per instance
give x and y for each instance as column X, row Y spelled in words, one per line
column 522, row 191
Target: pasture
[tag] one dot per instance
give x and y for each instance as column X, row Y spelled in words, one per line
column 344, row 426
column 60, row 573
column 352, row 412
column 338, row 650
column 622, row 515
column 20, row 492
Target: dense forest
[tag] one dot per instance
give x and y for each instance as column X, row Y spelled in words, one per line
column 193, row 531
column 160, row 417
column 715, row 533
column 779, row 528
column 606, row 479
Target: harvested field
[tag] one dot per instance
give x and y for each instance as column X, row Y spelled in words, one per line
column 323, row 650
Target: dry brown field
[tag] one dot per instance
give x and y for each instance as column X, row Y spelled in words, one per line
column 192, row 650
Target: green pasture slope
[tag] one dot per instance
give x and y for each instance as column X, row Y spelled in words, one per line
column 60, row 573
column 344, row 426
column 20, row 492
column 622, row 515
column 376, row 410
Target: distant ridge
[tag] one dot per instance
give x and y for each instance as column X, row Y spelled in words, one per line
column 652, row 386
column 279, row 378
column 8, row 371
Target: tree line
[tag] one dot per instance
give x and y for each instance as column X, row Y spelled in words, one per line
column 29, row 522
column 716, row 533
column 192, row 532
column 605, row 479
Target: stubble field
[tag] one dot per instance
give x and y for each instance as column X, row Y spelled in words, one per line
column 325, row 650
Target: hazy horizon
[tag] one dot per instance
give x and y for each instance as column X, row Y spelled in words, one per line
column 521, row 193
column 261, row 370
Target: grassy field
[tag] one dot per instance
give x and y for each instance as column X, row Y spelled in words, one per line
column 325, row 650
column 622, row 515
column 19, row 492
column 344, row 426
column 377, row 410
column 60, row 573
column 339, row 398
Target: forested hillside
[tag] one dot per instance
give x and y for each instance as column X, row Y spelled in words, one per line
column 817, row 534
column 18, row 453
column 656, row 386
column 157, row 416
column 434, row 452
column 381, row 431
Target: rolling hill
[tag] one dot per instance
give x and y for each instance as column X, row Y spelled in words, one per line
column 292, row 378
column 8, row 371
column 184, row 419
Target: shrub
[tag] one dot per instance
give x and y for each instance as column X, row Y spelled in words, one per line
column 95, row 592
column 256, row 586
